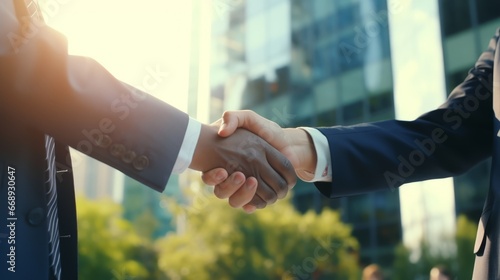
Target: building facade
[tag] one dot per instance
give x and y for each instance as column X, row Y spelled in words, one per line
column 313, row 63
column 94, row 179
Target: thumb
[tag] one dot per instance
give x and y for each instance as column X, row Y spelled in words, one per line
column 251, row 121
column 230, row 122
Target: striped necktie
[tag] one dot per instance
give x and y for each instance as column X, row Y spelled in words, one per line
column 52, row 216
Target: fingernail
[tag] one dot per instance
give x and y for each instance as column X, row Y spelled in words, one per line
column 222, row 127
column 250, row 186
column 250, row 209
column 238, row 180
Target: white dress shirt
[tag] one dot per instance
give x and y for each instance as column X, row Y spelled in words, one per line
column 188, row 146
column 323, row 172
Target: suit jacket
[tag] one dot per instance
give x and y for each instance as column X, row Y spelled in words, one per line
column 445, row 142
column 43, row 90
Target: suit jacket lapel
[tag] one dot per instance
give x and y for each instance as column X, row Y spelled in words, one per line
column 487, row 243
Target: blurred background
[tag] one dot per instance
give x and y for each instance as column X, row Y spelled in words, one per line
column 298, row 63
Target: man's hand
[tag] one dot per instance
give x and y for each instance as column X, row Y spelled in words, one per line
column 247, row 153
column 294, row 143
column 231, row 187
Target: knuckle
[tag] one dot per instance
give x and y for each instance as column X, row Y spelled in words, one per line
column 261, row 206
column 282, row 189
column 258, row 202
column 288, row 165
column 270, row 197
column 232, row 166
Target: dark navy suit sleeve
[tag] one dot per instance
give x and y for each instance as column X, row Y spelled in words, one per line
column 80, row 104
column 441, row 143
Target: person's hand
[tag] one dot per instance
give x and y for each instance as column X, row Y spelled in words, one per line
column 295, row 144
column 247, row 153
column 238, row 189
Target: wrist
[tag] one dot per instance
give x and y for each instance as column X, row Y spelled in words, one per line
column 302, row 145
column 204, row 148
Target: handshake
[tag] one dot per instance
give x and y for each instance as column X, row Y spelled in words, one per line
column 252, row 161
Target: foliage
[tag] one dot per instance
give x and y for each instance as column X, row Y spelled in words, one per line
column 108, row 247
column 465, row 238
column 217, row 242
column 461, row 262
column 275, row 243
column 402, row 267
column 139, row 203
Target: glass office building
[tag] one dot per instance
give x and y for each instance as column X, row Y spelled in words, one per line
column 341, row 74
column 314, row 63
column 324, row 63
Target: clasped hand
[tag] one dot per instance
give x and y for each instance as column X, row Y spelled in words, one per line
column 256, row 165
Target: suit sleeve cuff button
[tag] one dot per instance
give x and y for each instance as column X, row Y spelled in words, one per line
column 141, row 162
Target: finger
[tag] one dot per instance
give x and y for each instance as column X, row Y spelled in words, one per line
column 275, row 175
column 247, row 119
column 214, row 177
column 244, row 194
column 267, row 179
column 268, row 130
column 230, row 122
column 229, row 186
column 249, row 209
column 271, row 184
column 257, row 201
column 284, row 178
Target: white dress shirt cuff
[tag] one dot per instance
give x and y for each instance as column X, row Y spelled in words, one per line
column 323, row 172
column 188, row 146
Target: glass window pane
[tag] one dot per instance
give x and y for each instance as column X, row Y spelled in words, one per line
column 456, row 16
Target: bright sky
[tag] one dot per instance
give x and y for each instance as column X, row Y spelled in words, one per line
column 134, row 40
column 419, row 87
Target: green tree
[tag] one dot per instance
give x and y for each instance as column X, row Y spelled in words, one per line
column 275, row 243
column 402, row 267
column 108, row 246
column 465, row 238
column 139, row 202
